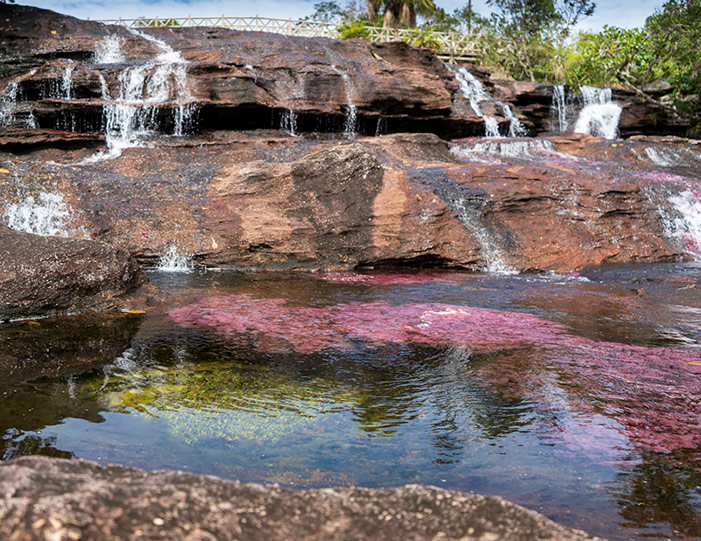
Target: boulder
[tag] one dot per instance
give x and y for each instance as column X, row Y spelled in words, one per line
column 42, row 498
column 267, row 202
column 45, row 275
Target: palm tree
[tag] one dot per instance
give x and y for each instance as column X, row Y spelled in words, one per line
column 404, row 12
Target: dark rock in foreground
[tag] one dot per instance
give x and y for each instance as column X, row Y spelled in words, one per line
column 40, row 275
column 46, row 498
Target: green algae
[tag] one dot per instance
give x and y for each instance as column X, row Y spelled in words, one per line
column 227, row 402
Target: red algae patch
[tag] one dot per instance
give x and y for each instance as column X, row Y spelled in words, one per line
column 652, row 394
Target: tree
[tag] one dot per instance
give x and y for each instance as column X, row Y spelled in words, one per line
column 331, row 11
column 533, row 33
column 405, row 11
column 667, row 48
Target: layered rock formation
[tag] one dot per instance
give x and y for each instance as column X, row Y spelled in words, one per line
column 66, row 72
column 283, row 203
column 60, row 499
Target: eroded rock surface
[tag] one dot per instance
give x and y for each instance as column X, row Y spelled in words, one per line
column 264, row 201
column 52, row 498
column 40, row 275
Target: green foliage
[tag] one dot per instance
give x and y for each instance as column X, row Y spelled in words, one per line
column 667, row 48
column 529, row 36
column 423, row 37
column 356, row 29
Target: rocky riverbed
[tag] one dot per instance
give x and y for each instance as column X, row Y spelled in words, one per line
column 205, row 150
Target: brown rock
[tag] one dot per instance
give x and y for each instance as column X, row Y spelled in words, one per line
column 42, row 498
column 401, row 200
column 41, row 275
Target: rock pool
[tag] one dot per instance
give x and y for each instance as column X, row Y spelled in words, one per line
column 576, row 396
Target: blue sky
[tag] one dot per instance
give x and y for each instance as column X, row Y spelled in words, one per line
column 626, row 13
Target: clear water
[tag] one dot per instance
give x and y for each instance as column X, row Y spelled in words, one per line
column 576, row 396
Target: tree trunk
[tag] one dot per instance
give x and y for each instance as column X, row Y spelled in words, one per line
column 372, row 11
column 405, row 15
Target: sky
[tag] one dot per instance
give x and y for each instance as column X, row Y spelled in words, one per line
column 624, row 13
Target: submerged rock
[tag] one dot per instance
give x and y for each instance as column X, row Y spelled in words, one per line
column 45, row 275
column 63, row 499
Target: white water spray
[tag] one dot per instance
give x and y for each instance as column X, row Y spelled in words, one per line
column 173, row 261
column 687, row 224
column 132, row 114
column 350, row 125
column 476, row 94
column 9, row 106
column 600, row 115
column 48, row 215
column 559, row 108
column 492, row 255
column 288, row 123
column 109, row 51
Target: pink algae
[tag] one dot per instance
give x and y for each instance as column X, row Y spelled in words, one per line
column 651, row 393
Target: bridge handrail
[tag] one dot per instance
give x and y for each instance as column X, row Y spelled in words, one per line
column 449, row 45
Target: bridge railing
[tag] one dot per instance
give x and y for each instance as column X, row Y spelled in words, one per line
column 448, row 45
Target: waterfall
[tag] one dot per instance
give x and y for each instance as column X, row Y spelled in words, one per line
column 173, row 261
column 67, row 82
column 492, row 255
column 476, row 94
column 109, row 51
column 558, row 109
column 47, row 216
column 350, row 125
column 468, row 205
column 288, row 123
column 132, row 113
column 526, row 148
column 600, row 115
column 8, row 106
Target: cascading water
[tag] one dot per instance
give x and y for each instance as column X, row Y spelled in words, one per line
column 9, row 114
column 558, row 110
column 468, row 205
column 288, row 123
column 350, row 125
column 492, row 255
column 599, row 115
column 109, row 51
column 67, row 82
column 142, row 91
column 476, row 94
column 48, row 215
column 173, row 261
column 525, row 148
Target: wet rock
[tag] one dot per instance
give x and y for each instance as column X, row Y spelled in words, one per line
column 64, row 499
column 43, row 275
column 13, row 138
column 262, row 202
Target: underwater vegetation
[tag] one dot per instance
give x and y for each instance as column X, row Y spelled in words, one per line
column 650, row 395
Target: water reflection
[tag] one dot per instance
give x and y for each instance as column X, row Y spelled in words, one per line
column 378, row 387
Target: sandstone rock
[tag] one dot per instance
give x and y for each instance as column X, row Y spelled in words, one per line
column 63, row 499
column 264, row 202
column 41, row 275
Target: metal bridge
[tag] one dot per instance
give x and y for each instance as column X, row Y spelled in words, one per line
column 451, row 46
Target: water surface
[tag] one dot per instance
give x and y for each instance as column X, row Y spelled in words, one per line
column 575, row 396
